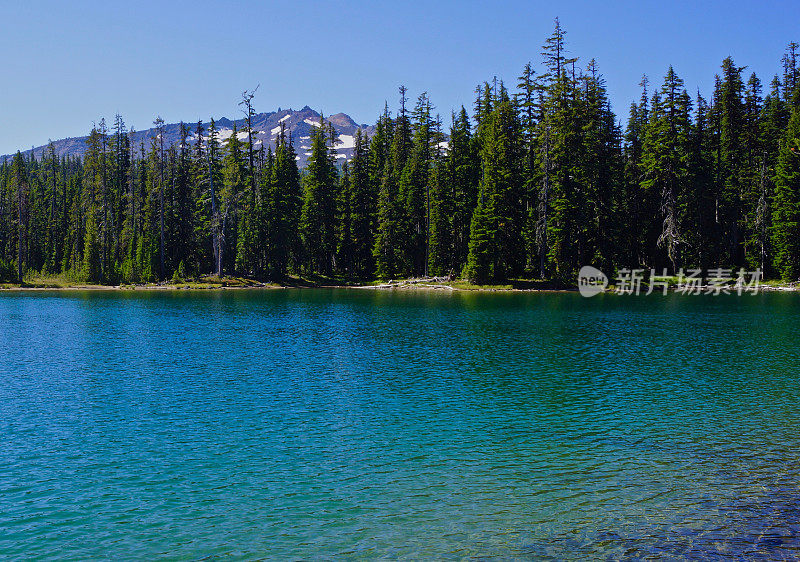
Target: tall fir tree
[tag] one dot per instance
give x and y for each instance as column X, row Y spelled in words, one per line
column 363, row 209
column 413, row 191
column 318, row 214
column 462, row 173
column 665, row 164
column 786, row 212
column 390, row 244
column 496, row 243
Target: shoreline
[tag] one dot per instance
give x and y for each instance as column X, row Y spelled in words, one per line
column 238, row 284
column 273, row 287
column 213, row 283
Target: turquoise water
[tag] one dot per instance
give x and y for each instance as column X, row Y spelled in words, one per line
column 362, row 424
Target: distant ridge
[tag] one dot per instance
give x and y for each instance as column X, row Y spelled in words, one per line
column 265, row 125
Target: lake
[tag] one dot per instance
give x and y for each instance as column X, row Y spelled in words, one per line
column 297, row 424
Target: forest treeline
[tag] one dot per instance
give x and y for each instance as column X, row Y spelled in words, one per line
column 537, row 181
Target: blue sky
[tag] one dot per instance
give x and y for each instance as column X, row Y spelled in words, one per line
column 68, row 64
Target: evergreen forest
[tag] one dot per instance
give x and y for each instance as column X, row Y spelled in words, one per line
column 536, row 179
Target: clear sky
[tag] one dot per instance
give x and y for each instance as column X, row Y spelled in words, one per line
column 68, row 64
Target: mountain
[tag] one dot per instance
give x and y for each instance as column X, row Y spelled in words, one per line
column 266, row 127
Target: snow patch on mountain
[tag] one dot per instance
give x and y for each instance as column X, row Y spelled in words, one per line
column 265, row 127
column 346, row 142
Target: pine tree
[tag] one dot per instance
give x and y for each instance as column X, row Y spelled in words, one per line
column 529, row 103
column 729, row 113
column 463, row 172
column 284, row 202
column 564, row 201
column 496, row 244
column 344, row 218
column 791, row 72
column 701, row 232
column 234, row 180
column 104, row 203
column 214, row 177
column 159, row 142
column 755, row 189
column 786, row 205
column 53, row 235
column 91, row 250
column 131, row 204
column 182, row 208
column 120, row 164
column 93, row 172
column 363, row 209
column 390, row 244
column 634, row 207
column 441, row 256
column 413, row 186
column 200, row 251
column 665, row 162
column 22, row 187
column 601, row 160
column 148, row 247
column 318, row 215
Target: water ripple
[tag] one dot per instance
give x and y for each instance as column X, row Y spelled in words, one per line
column 347, row 424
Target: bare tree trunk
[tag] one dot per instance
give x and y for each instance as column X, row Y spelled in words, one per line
column 247, row 102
